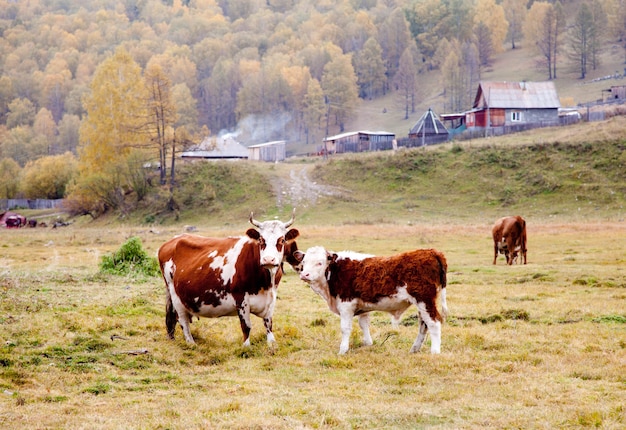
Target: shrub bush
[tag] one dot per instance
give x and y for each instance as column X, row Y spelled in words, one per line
column 131, row 258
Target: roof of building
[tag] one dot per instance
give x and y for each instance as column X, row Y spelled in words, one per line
column 428, row 124
column 517, row 95
column 217, row 147
column 274, row 143
column 352, row 133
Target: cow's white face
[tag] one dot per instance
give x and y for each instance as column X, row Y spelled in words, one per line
column 314, row 264
column 272, row 237
column 272, row 242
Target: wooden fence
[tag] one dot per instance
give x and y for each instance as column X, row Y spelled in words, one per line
column 9, row 204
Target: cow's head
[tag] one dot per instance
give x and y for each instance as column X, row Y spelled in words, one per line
column 314, row 264
column 273, row 237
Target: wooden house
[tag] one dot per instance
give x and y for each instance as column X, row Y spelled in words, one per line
column 358, row 141
column 269, row 151
column 510, row 104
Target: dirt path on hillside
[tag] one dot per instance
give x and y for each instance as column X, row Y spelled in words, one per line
column 294, row 187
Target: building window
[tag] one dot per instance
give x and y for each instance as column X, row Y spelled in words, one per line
column 516, row 116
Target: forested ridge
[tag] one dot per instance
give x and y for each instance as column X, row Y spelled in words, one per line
column 90, row 90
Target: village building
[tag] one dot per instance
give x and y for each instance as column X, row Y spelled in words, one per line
column 216, row 148
column 506, row 107
column 358, row 141
column 269, row 151
column 428, row 130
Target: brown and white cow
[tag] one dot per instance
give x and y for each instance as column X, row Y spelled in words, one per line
column 355, row 284
column 216, row 277
column 509, row 238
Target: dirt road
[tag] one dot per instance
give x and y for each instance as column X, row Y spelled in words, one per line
column 293, row 186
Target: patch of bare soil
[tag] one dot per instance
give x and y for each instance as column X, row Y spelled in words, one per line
column 297, row 189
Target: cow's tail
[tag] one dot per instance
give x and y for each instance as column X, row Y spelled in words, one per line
column 443, row 280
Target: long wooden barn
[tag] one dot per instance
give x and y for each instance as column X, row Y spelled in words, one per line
column 359, row 141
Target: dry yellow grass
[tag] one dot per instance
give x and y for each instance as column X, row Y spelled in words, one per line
column 535, row 346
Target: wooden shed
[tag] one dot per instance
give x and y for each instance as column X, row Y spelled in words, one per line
column 269, row 151
column 359, row 141
column 617, row 92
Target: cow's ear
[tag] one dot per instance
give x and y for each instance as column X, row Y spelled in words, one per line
column 253, row 234
column 298, row 255
column 332, row 257
column 292, row 234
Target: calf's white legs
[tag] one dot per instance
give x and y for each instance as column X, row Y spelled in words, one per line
column 364, row 323
column 427, row 324
column 346, row 330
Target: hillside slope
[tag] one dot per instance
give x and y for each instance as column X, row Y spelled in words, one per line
column 513, row 66
column 575, row 173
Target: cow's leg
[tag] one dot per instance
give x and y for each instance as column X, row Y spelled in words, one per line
column 495, row 251
column 395, row 318
column 423, row 329
column 346, row 330
column 243, row 312
column 170, row 316
column 510, row 246
column 184, row 318
column 346, row 312
column 430, row 324
column 267, row 318
column 364, row 323
column 268, row 329
column 177, row 311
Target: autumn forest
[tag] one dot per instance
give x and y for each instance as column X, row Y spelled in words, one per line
column 92, row 90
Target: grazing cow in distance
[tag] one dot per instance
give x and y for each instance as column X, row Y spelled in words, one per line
column 509, row 238
column 216, row 277
column 355, row 284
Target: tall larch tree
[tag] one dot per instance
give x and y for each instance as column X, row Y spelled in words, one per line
column 115, row 124
column 492, row 15
column 161, row 114
column 116, row 113
column 9, row 178
column 600, row 24
column 542, row 29
column 515, row 12
column 427, row 23
column 617, row 22
column 394, row 37
column 406, row 82
column 452, row 83
column 339, row 83
column 484, row 43
column 580, row 39
column 314, row 111
column 370, row 69
column 297, row 78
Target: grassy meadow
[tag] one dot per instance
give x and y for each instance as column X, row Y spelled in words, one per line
column 535, row 346
column 541, row 345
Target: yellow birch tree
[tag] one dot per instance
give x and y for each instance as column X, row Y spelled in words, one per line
column 115, row 124
column 116, row 113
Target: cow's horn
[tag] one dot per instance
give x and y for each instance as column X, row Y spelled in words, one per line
column 293, row 218
column 253, row 221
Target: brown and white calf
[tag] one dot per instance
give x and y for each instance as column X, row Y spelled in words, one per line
column 355, row 284
column 216, row 277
